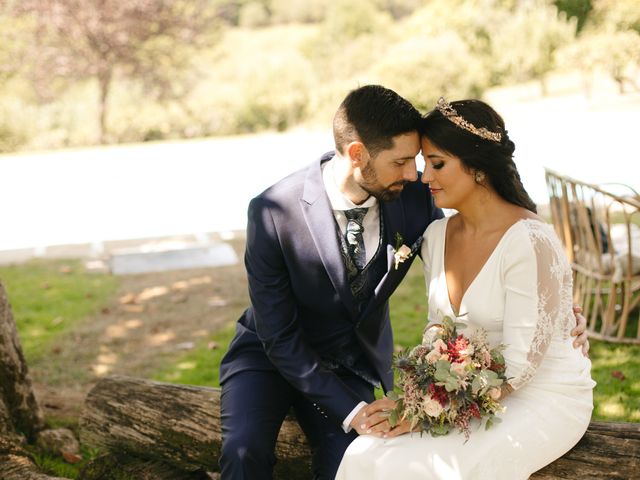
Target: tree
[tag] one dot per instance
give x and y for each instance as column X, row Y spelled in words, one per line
column 150, row 40
column 20, row 414
column 617, row 15
column 14, row 35
column 524, row 42
column 580, row 9
column 615, row 53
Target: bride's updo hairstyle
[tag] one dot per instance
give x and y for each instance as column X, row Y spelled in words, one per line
column 474, row 132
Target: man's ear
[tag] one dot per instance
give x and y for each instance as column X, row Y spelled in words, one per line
column 357, row 153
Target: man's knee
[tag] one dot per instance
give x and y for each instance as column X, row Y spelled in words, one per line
column 245, row 447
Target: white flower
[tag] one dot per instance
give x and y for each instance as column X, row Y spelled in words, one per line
column 467, row 352
column 440, row 345
column 431, row 333
column 433, row 356
column 495, row 393
column 401, row 254
column 432, row 407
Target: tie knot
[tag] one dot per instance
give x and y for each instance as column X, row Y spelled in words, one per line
column 356, row 214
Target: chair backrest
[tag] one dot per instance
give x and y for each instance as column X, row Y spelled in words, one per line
column 600, row 232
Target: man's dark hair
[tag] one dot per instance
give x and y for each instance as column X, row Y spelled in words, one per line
column 373, row 115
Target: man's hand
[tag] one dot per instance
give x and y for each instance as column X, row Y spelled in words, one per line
column 376, row 420
column 580, row 331
column 358, row 423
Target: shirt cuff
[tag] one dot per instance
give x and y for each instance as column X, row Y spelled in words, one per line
column 346, row 425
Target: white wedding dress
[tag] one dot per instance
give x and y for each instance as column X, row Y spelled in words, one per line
column 522, row 298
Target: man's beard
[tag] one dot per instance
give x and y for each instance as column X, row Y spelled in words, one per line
column 383, row 194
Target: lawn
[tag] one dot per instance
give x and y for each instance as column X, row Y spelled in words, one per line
column 616, row 368
column 67, row 319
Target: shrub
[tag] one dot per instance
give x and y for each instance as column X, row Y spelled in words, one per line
column 423, row 69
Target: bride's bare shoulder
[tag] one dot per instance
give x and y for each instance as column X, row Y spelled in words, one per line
column 523, row 214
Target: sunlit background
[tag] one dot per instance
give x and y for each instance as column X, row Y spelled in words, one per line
column 147, row 118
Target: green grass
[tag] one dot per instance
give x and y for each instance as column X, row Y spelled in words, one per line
column 43, row 291
column 201, row 365
column 409, row 309
column 616, row 399
column 49, row 298
column 55, row 465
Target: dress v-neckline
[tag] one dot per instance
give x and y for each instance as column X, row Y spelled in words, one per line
column 456, row 312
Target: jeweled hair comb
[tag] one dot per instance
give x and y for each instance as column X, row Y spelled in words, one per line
column 452, row 115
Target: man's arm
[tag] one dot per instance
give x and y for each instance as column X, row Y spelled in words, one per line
column 277, row 321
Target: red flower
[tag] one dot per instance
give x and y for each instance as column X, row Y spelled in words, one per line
column 460, row 343
column 439, row 393
column 474, row 410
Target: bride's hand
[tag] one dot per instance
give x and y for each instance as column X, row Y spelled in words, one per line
column 403, row 427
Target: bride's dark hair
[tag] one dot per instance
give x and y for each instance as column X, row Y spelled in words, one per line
column 494, row 159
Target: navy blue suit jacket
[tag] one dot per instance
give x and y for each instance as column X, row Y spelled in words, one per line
column 301, row 303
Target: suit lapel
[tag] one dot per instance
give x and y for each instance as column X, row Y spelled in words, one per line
column 319, row 217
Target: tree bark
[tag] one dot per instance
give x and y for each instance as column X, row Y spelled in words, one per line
column 19, row 411
column 176, row 424
column 608, row 451
column 16, row 391
column 180, row 425
column 103, row 468
column 16, row 464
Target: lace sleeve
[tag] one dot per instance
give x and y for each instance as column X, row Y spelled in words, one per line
column 538, row 285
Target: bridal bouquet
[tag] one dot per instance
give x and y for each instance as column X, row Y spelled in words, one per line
column 448, row 380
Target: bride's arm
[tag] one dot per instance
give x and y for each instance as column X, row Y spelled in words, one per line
column 537, row 279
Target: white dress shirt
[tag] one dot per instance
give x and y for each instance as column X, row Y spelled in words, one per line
column 340, row 203
column 371, row 233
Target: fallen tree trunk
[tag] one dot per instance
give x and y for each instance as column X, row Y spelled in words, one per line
column 175, row 424
column 607, row 451
column 180, row 425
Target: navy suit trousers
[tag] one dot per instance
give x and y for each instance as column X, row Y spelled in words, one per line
column 253, row 407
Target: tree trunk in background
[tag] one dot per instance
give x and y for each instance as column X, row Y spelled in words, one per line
column 16, row 391
column 19, row 411
column 104, row 80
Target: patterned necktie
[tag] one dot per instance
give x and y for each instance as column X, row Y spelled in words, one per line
column 354, row 237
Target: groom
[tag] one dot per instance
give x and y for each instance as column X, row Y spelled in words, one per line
column 321, row 268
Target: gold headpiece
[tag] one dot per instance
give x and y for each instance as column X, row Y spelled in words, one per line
column 450, row 114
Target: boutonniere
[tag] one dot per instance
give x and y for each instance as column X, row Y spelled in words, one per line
column 401, row 252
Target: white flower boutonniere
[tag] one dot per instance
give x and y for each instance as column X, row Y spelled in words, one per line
column 401, row 252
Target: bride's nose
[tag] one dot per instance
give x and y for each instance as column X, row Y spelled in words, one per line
column 427, row 176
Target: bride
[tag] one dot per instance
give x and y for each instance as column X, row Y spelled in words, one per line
column 494, row 265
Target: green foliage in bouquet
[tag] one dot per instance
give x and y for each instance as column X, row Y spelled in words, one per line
column 449, row 380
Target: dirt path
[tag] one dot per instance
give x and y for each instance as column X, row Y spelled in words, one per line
column 151, row 322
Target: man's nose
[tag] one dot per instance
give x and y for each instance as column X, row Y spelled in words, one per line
column 410, row 172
